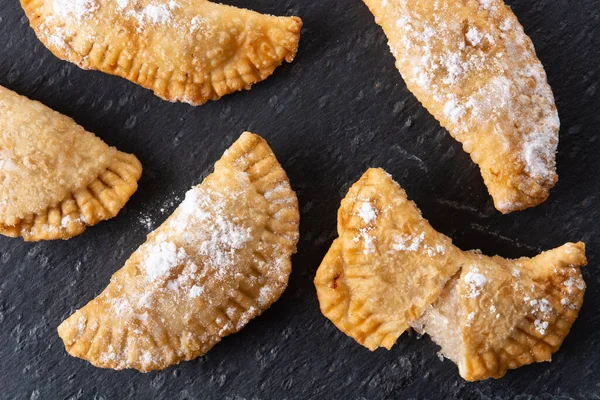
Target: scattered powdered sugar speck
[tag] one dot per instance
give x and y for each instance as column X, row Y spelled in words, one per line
column 452, row 110
column 538, row 152
column 81, row 325
column 470, row 318
column 408, row 242
column 368, row 240
column 146, row 358
column 576, row 282
column 367, row 212
column 475, row 281
column 157, row 14
column 196, row 291
column 264, row 294
column 541, row 326
column 432, row 251
column 474, row 36
column 161, row 257
column 542, row 310
column 76, row 8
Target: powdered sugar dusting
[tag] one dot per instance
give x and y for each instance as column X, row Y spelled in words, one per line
column 367, row 239
column 474, row 36
column 475, row 282
column 158, row 14
column 217, row 262
column 485, row 79
column 81, row 325
column 161, row 257
column 367, row 212
column 408, row 242
column 221, row 236
column 75, row 8
column 575, row 282
column 542, row 310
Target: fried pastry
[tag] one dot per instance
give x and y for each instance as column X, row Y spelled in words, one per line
column 221, row 259
column 394, row 264
column 56, row 178
column 476, row 71
column 183, row 50
column 501, row 314
column 389, row 269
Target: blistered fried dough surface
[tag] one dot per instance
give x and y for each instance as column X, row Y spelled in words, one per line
column 183, row 50
column 221, row 259
column 55, row 177
column 508, row 313
column 394, row 263
column 471, row 65
column 390, row 269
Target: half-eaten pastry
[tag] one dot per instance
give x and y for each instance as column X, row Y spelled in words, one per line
column 474, row 69
column 56, row 178
column 183, row 50
column 386, row 270
column 221, row 259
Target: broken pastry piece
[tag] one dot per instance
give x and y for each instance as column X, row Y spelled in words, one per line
column 390, row 269
column 394, row 264
column 500, row 314
column 56, row 178
column 221, row 259
column 183, row 50
column 476, row 71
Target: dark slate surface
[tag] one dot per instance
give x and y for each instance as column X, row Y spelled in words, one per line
column 339, row 108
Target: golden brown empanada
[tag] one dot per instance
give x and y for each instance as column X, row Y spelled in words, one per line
column 221, row 259
column 501, row 314
column 183, row 50
column 387, row 269
column 472, row 66
column 56, row 178
column 394, row 263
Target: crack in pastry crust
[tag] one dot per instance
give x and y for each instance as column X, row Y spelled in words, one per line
column 56, row 178
column 390, row 269
column 474, row 69
column 222, row 258
column 185, row 50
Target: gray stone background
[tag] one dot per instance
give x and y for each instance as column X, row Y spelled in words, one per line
column 340, row 108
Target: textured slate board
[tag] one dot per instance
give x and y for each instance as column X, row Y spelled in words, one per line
column 339, row 108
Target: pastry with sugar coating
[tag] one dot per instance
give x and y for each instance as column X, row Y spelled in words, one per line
column 389, row 269
column 55, row 177
column 472, row 66
column 222, row 258
column 183, row 50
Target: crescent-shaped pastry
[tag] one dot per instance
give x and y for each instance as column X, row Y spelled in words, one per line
column 56, row 178
column 475, row 70
column 183, row 50
column 387, row 271
column 221, row 259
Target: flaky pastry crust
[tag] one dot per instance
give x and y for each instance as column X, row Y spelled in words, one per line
column 389, row 287
column 476, row 71
column 388, row 268
column 55, row 177
column 184, row 50
column 221, row 259
column 508, row 313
